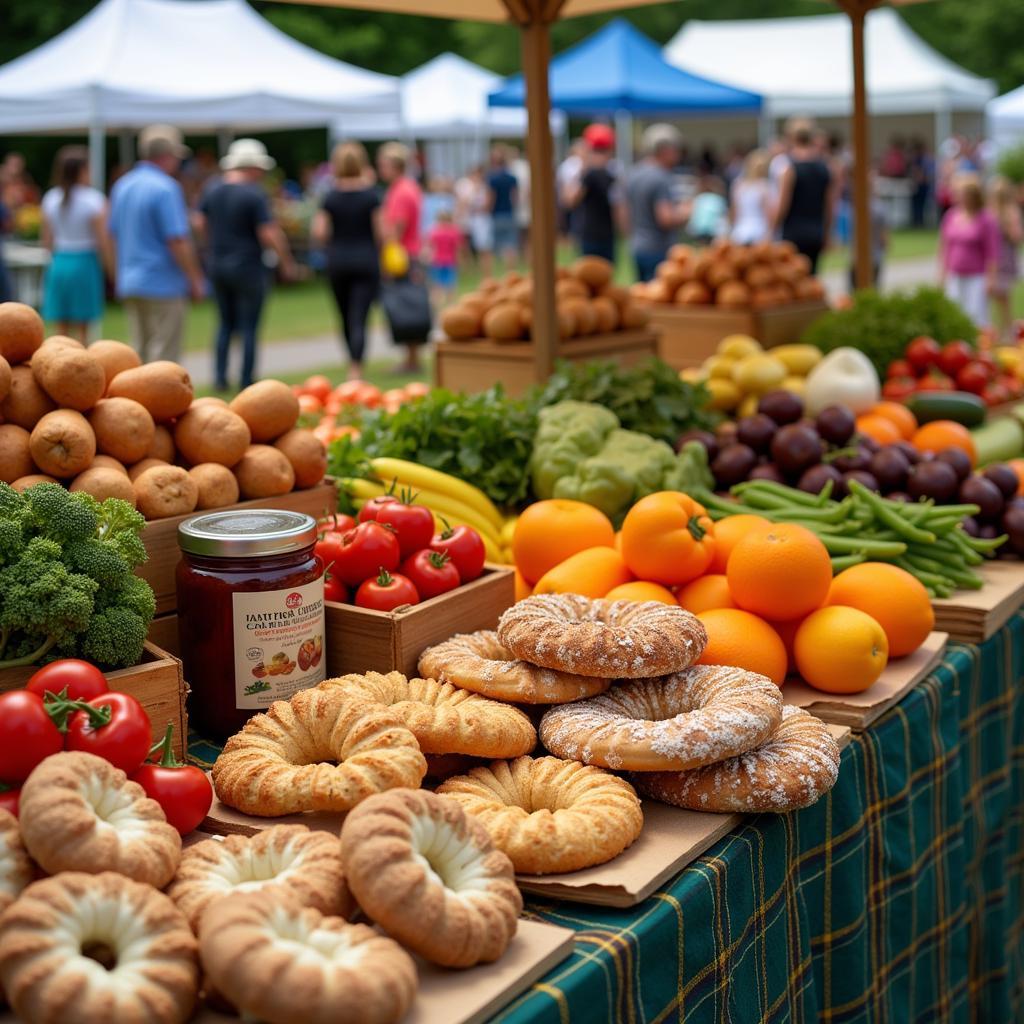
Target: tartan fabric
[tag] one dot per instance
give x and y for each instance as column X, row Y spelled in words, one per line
column 896, row 898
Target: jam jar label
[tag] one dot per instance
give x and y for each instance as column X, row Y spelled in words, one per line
column 279, row 643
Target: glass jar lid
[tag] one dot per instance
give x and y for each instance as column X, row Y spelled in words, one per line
column 244, row 533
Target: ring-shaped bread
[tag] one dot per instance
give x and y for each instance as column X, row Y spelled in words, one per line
column 318, row 751
column 446, row 719
column 15, row 866
column 793, row 768
column 431, row 877
column 550, row 815
column 608, row 639
column 80, row 813
column 79, row 948
column 703, row 714
column 478, row 662
column 280, row 962
column 290, row 858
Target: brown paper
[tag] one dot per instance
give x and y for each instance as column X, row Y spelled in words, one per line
column 223, row 820
column 859, row 710
column 972, row 616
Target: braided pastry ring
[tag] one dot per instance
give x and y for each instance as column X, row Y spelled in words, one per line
column 550, row 815
column 15, row 866
column 446, row 719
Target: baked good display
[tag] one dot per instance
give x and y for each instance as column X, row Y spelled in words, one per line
column 608, row 639
column 550, row 815
column 478, row 662
column 703, row 714
column 446, row 719
column 283, row 858
column 15, row 866
column 796, row 766
column 318, row 751
column 441, row 766
column 430, row 876
column 80, row 948
column 80, row 813
column 280, row 962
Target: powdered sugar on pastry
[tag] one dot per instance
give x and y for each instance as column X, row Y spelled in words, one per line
column 15, row 866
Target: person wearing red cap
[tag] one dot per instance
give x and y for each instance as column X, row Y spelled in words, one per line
column 594, row 194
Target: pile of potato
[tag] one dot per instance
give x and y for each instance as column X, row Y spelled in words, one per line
column 98, row 420
column 732, row 276
column 587, row 303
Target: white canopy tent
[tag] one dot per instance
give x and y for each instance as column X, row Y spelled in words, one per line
column 804, row 66
column 203, row 66
column 1006, row 119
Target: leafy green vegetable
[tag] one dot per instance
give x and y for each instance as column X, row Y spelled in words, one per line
column 882, row 325
column 1011, row 164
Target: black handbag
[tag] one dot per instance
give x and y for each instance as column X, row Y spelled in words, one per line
column 407, row 306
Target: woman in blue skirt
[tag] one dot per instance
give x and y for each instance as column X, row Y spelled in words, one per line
column 75, row 231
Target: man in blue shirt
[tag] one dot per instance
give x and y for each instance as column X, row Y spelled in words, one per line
column 503, row 188
column 157, row 269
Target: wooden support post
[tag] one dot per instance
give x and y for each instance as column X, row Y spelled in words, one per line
column 861, row 151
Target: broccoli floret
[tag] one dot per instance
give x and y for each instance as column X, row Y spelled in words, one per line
column 135, row 594
column 60, row 514
column 12, row 540
column 101, row 561
column 12, row 504
column 121, row 525
column 114, row 638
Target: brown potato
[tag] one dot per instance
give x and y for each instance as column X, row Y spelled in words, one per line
column 23, row 483
column 503, row 322
column 270, row 408
column 306, row 453
column 733, row 295
column 15, row 457
column 108, row 462
column 693, row 293
column 21, row 331
column 70, row 376
column 26, row 402
column 570, row 288
column 607, row 311
column 615, row 292
column 163, row 387
column 593, row 271
column 134, row 472
column 123, row 428
column 164, row 491
column 62, row 443
column 264, row 472
column 115, row 356
column 209, row 433
column 102, row 482
column 585, row 315
column 719, row 273
column 681, row 253
column 5, row 378
column 162, row 446
column 217, row 485
column 634, row 315
column 460, row 322
column 209, row 400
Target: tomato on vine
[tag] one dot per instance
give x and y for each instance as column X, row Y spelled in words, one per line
column 413, row 525
column 386, row 592
column 465, row 547
column 432, row 573
column 182, row 790
column 372, row 509
column 71, row 678
column 114, row 726
column 28, row 734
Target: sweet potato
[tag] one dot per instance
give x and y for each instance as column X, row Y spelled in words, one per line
column 115, row 356
column 62, row 443
column 123, row 429
column 163, row 387
column 162, row 445
column 503, row 322
column 134, row 472
column 460, row 322
column 217, row 485
column 23, row 483
column 164, row 491
column 108, row 462
column 21, row 331
column 5, row 378
column 209, row 400
column 593, row 271
column 264, row 472
column 15, row 457
column 306, row 453
column 102, row 482
column 26, row 402
column 270, row 408
column 70, row 376
column 210, row 433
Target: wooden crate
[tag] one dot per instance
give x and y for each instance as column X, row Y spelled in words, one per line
column 161, row 537
column 689, row 334
column 156, row 683
column 360, row 640
column 476, row 365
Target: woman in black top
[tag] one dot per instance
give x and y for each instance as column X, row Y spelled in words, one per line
column 348, row 227
column 805, row 195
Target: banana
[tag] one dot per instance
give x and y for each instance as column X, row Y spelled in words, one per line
column 508, row 531
column 362, row 489
column 493, row 550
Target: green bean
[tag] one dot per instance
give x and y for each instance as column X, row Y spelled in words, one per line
column 958, row 510
column 896, row 522
column 794, row 496
column 956, row 542
column 841, row 562
column 929, row 579
column 852, row 545
column 986, row 546
column 960, row 576
column 766, row 501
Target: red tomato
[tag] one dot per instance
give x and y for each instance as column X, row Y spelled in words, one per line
column 369, row 395
column 955, row 355
column 340, row 522
column 348, row 391
column 921, row 353
column 80, row 679
column 995, row 394
column 372, row 509
column 9, row 797
column 413, row 525
column 464, row 546
column 933, row 381
column 365, row 551
column 974, row 377
column 182, row 790
column 309, row 405
column 27, row 734
column 431, row 572
column 120, row 734
column 895, row 389
column 899, row 368
column 334, row 589
column 329, row 546
column 386, row 592
column 417, row 389
column 988, row 361
column 318, row 386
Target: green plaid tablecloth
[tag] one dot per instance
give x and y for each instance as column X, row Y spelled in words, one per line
column 897, row 898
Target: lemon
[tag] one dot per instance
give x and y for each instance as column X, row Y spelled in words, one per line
column 1009, row 358
column 758, row 374
column 799, row 360
column 795, row 384
column 724, row 394
column 719, row 366
column 748, row 406
column 738, row 346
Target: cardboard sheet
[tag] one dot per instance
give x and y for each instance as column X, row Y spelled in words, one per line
column 224, row 820
column 859, row 710
column 972, row 616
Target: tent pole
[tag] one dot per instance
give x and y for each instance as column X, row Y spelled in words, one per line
column 624, row 138
column 536, row 51
column 861, row 150
column 98, row 155
column 125, row 148
column 943, row 124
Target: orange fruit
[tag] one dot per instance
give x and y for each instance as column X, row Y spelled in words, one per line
column 787, row 633
column 782, row 573
column 641, row 590
column 706, row 593
column 878, row 428
column 891, row 596
column 591, row 573
column 738, row 638
column 549, row 532
column 840, row 649
column 903, row 419
column 728, row 532
column 523, row 589
column 940, row 434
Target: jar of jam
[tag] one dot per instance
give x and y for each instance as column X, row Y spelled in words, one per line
column 250, row 613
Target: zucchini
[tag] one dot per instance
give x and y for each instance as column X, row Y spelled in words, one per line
column 999, row 440
column 961, row 406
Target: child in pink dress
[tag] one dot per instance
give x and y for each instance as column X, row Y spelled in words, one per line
column 444, row 240
column 969, row 247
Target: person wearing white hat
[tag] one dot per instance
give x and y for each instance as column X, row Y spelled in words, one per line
column 235, row 218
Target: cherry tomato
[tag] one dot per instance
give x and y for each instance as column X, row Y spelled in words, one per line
column 334, row 589
column 328, row 547
column 464, row 546
column 974, row 377
column 922, row 352
column 372, row 509
column 955, row 355
column 935, row 381
column 27, row 734
column 121, row 734
column 431, row 572
column 317, row 385
column 386, row 592
column 339, row 522
column 366, row 550
column 897, row 388
column 899, row 368
column 82, row 680
column 413, row 525
column 182, row 790
column 9, row 797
